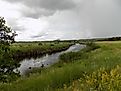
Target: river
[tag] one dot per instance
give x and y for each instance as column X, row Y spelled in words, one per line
column 47, row 60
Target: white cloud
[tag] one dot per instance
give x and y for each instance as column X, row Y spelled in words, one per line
column 46, row 20
column 32, row 27
column 9, row 10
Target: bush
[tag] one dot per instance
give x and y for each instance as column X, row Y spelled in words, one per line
column 91, row 45
column 103, row 80
column 71, row 56
column 40, row 43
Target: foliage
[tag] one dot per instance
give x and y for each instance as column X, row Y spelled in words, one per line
column 73, row 76
column 28, row 50
column 7, row 65
column 104, row 80
column 40, row 43
column 100, row 80
column 91, row 45
column 72, row 56
column 57, row 41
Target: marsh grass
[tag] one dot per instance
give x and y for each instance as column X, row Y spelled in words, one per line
column 52, row 79
column 103, row 70
column 77, row 75
column 20, row 51
column 100, row 80
column 72, row 56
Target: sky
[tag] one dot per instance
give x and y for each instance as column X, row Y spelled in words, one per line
column 37, row 20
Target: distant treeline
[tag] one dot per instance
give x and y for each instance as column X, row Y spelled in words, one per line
column 110, row 39
column 102, row 39
column 54, row 41
column 80, row 40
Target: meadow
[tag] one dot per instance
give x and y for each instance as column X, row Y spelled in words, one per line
column 95, row 68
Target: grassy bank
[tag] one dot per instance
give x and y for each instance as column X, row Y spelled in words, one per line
column 28, row 50
column 98, row 70
column 103, row 70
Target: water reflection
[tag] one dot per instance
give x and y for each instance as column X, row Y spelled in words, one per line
column 45, row 61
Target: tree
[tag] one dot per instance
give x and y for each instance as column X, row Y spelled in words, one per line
column 7, row 64
column 57, row 41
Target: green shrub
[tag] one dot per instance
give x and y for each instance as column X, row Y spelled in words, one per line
column 72, row 56
column 40, row 43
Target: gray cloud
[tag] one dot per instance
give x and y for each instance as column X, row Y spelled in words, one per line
column 75, row 18
column 15, row 25
column 38, row 8
column 101, row 18
column 39, row 35
column 36, row 12
column 104, row 18
column 47, row 4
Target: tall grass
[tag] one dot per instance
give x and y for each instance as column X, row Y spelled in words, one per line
column 77, row 75
column 100, row 80
column 52, row 79
column 72, row 56
column 23, row 50
column 103, row 71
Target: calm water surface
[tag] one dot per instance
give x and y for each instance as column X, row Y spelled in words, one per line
column 45, row 61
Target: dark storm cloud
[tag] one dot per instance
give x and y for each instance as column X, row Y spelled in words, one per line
column 47, row 4
column 39, row 35
column 38, row 8
column 36, row 13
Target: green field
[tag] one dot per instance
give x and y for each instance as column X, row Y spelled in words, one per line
column 91, row 70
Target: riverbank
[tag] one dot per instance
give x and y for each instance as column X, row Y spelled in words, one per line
column 20, row 51
column 98, row 69
column 27, row 65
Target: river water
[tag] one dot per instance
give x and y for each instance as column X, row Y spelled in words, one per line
column 45, row 61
